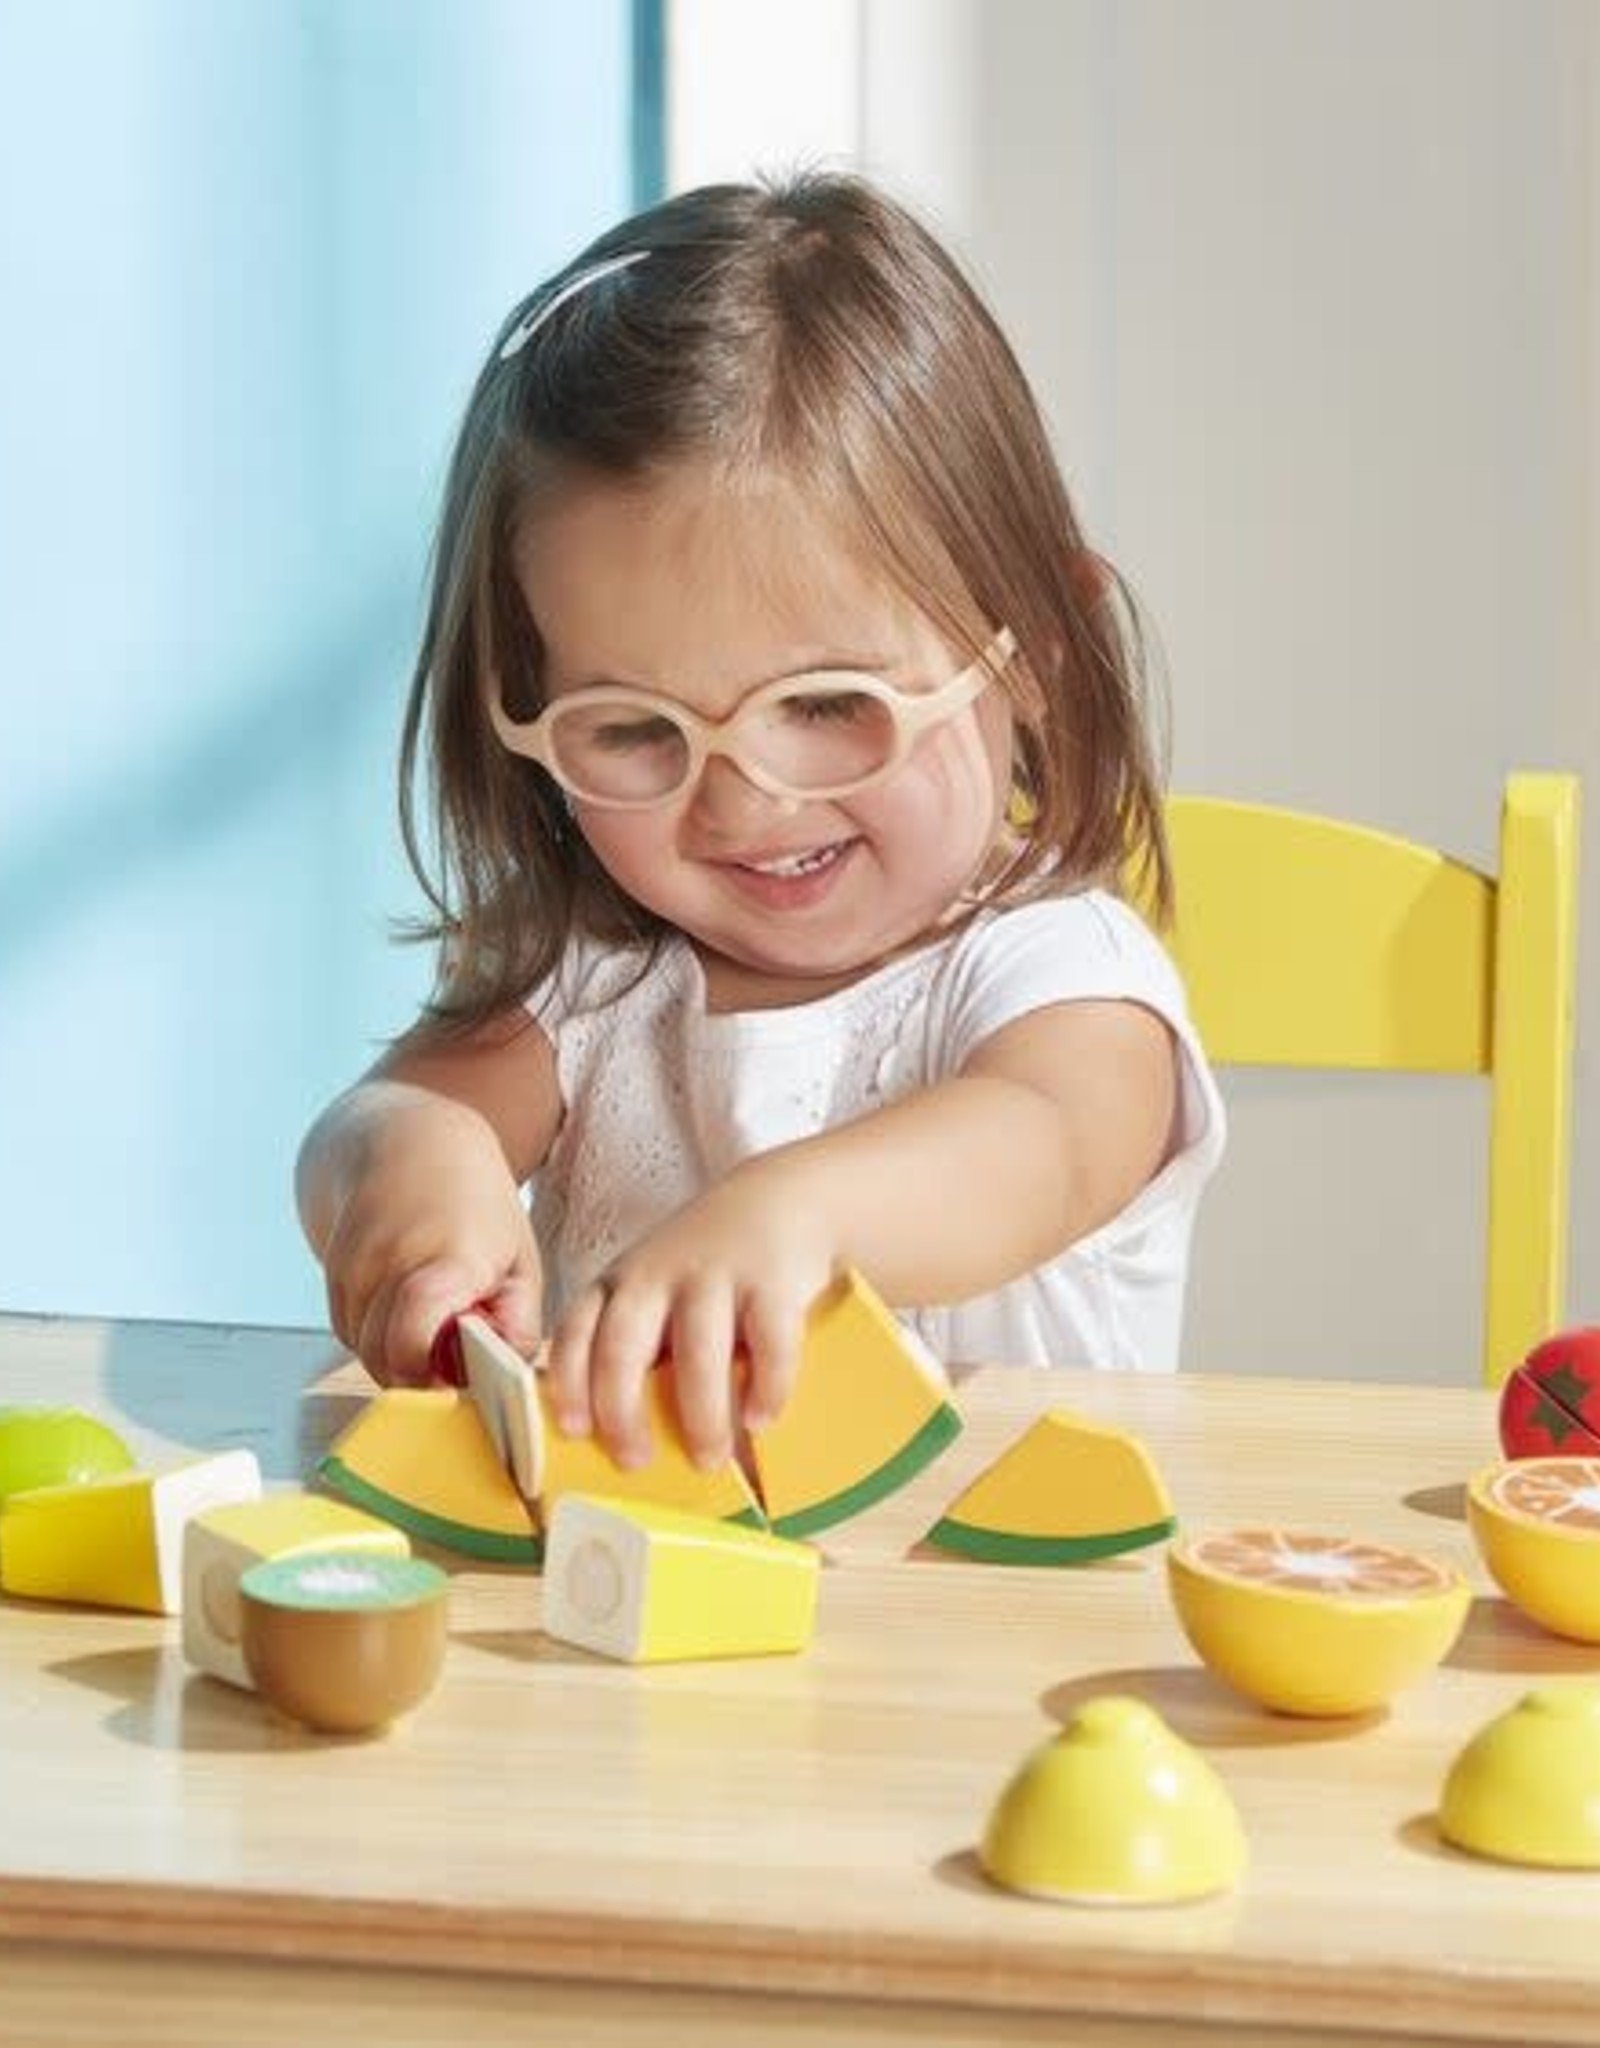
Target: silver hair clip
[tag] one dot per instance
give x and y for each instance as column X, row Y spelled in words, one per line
column 530, row 323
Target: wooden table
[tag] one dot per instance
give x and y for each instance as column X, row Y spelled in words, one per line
column 558, row 1849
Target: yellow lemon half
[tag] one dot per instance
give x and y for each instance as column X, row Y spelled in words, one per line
column 1115, row 1810
column 1314, row 1624
column 1536, row 1522
column 1526, row 1788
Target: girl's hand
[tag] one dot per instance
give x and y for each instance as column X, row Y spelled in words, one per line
column 734, row 1271
column 433, row 1225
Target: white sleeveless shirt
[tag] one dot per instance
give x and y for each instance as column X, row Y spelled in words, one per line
column 662, row 1098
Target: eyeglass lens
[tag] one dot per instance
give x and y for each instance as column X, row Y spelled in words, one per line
column 802, row 739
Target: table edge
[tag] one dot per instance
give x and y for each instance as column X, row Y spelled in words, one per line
column 1472, row 2003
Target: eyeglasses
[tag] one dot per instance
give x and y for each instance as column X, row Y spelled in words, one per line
column 826, row 734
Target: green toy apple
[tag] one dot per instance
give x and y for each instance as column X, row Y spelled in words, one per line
column 56, row 1447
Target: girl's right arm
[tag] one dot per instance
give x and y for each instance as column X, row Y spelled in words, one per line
column 409, row 1192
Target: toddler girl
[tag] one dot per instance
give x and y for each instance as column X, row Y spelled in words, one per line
column 787, row 760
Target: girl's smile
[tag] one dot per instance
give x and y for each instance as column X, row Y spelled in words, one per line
column 681, row 586
column 792, row 881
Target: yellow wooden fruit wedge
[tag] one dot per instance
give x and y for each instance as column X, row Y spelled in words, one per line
column 869, row 1409
column 222, row 1544
column 116, row 1542
column 645, row 1583
column 1066, row 1492
column 549, row 1465
column 670, row 1480
column 420, row 1457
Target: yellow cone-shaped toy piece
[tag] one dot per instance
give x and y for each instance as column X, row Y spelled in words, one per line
column 1115, row 1810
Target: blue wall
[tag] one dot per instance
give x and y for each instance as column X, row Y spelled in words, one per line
column 250, row 254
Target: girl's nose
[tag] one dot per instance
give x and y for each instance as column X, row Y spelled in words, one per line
column 726, row 800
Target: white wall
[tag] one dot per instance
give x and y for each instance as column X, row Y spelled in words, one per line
column 1309, row 291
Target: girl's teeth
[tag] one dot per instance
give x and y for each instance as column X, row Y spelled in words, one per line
column 801, row 864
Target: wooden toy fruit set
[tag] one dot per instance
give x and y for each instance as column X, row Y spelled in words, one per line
column 284, row 1594
column 316, row 1602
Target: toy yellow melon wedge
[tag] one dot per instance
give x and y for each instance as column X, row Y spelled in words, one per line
column 1066, row 1492
column 870, row 1407
column 548, row 1465
column 420, row 1457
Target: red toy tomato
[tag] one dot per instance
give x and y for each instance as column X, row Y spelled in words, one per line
column 1550, row 1406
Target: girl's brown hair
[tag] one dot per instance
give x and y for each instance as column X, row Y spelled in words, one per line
column 807, row 329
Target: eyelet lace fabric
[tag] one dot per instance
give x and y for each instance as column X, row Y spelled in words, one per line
column 663, row 1099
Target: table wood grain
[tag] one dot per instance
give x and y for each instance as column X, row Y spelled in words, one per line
column 555, row 1847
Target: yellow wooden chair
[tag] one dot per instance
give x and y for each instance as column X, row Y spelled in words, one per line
column 1306, row 942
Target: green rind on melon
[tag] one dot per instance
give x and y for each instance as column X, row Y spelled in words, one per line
column 749, row 1518
column 942, row 1428
column 488, row 1545
column 999, row 1546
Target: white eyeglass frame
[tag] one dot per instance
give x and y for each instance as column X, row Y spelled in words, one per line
column 910, row 715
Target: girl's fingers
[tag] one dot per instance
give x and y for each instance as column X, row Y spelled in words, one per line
column 367, row 1337
column 516, row 1308
column 423, row 1303
column 627, row 1342
column 340, row 1321
column 398, row 1332
column 771, row 1326
column 567, row 1368
column 702, row 1369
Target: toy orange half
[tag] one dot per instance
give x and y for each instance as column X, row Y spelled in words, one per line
column 1314, row 1624
column 1536, row 1522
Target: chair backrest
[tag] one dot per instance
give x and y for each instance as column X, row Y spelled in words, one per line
column 1306, row 942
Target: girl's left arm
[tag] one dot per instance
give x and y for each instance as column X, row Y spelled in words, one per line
column 1050, row 1128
